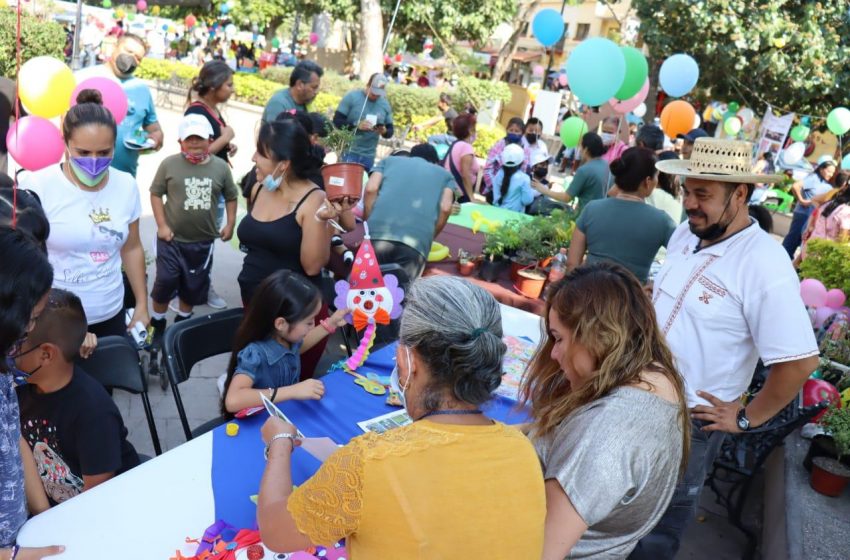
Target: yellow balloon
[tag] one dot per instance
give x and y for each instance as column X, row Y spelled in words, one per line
column 45, row 85
column 533, row 90
column 155, row 10
column 3, row 3
column 706, row 115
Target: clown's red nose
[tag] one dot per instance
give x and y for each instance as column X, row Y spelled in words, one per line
column 369, row 305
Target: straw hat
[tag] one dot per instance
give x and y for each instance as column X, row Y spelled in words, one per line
column 727, row 161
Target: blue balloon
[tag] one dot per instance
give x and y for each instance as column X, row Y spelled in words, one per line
column 225, row 8
column 548, row 26
column 596, row 70
column 845, row 163
column 165, row 27
column 679, row 75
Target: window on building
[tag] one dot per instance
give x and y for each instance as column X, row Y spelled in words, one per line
column 559, row 46
column 581, row 31
column 526, row 31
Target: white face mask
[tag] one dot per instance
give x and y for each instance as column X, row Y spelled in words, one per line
column 394, row 381
column 608, row 138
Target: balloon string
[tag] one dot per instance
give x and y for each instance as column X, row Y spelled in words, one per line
column 17, row 111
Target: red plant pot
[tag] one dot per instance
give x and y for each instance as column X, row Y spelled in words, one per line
column 829, row 477
column 343, row 180
column 530, row 283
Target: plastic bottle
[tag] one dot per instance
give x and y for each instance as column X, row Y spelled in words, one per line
column 559, row 266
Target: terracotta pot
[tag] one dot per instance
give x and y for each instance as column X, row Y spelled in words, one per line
column 343, row 180
column 822, row 445
column 489, row 271
column 829, row 477
column 466, row 268
column 530, row 283
column 517, row 264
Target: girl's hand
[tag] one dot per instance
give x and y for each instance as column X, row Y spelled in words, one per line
column 231, row 149
column 89, row 345
column 342, row 205
column 338, row 318
column 327, row 212
column 140, row 315
column 310, row 389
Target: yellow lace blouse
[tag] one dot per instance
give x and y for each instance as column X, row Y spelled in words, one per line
column 428, row 490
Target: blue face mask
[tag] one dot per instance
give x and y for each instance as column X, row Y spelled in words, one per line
column 271, row 183
column 512, row 138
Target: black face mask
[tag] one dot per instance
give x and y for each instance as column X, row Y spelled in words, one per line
column 126, row 63
column 531, row 137
column 716, row 230
column 541, row 172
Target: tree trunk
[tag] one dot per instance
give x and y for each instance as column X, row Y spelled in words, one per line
column 371, row 36
column 271, row 29
column 506, row 53
column 652, row 96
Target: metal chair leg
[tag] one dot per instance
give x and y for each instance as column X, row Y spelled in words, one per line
column 146, row 403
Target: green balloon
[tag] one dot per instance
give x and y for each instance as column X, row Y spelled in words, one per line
column 572, row 130
column 637, row 70
column 800, row 133
column 107, row 4
column 733, row 106
column 275, row 42
column 838, row 120
column 728, row 115
column 131, row 16
column 732, row 126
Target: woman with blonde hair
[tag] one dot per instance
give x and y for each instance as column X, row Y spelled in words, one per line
column 609, row 419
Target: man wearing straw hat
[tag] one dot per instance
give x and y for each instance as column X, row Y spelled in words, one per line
column 725, row 297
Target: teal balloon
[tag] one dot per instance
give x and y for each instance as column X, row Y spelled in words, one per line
column 733, row 107
column 596, row 70
column 838, row 120
column 637, row 70
column 679, row 74
column 800, row 132
column 572, row 130
column 548, row 27
column 728, row 115
column 845, row 163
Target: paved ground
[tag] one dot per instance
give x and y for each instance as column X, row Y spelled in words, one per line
column 710, row 537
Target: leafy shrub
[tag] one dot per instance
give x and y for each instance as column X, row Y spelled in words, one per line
column 325, row 103
column 333, row 83
column 252, row 89
column 39, row 37
column 477, row 92
column 485, row 137
column 829, row 262
column 836, row 422
column 279, row 74
column 408, row 102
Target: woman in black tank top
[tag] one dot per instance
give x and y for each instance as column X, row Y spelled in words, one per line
column 286, row 226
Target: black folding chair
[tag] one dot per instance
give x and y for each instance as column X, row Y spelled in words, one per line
column 115, row 364
column 188, row 342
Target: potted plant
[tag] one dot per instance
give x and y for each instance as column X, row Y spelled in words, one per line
column 829, row 475
column 342, row 179
column 530, row 280
column 465, row 263
column 493, row 255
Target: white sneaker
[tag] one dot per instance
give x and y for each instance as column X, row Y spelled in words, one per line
column 215, row 301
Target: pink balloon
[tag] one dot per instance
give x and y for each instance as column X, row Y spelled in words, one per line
column 835, row 298
column 813, row 292
column 35, row 143
column 314, row 38
column 141, row 5
column 822, row 314
column 630, row 104
column 113, row 95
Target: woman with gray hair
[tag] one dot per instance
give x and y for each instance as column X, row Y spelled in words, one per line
column 437, row 488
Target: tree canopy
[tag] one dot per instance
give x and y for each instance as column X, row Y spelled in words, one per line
column 791, row 54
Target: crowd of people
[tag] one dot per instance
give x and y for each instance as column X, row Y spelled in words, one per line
column 629, row 395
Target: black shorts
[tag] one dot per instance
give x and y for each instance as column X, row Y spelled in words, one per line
column 182, row 269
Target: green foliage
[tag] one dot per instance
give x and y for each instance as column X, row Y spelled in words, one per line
column 540, row 237
column 836, row 422
column 252, row 89
column 338, row 139
column 477, row 92
column 38, row 38
column 325, row 103
column 836, row 347
column 408, row 102
column 791, row 54
column 829, row 262
column 485, row 137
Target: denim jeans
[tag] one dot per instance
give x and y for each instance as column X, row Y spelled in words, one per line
column 365, row 161
column 664, row 540
column 795, row 231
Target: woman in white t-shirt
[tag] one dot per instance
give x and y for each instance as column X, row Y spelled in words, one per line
column 93, row 211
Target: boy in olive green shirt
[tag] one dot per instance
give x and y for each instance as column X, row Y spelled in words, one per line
column 191, row 182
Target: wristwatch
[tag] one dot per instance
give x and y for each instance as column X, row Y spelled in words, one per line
column 283, row 435
column 743, row 421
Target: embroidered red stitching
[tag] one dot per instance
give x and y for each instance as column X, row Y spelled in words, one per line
column 681, row 299
column 712, row 286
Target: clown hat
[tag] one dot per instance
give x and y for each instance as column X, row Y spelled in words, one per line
column 366, row 273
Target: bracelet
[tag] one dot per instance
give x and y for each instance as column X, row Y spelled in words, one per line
column 327, row 326
column 282, row 435
column 274, row 394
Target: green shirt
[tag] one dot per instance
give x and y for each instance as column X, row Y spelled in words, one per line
column 408, row 204
column 352, row 106
column 626, row 232
column 279, row 102
column 591, row 181
column 191, row 195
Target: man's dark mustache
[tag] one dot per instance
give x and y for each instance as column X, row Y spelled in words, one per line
column 695, row 214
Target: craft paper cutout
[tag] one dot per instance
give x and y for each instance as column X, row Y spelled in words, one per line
column 374, row 299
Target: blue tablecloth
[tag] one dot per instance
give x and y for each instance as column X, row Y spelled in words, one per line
column 237, row 462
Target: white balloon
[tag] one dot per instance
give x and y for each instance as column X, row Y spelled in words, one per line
column 640, row 110
column 697, row 121
column 746, row 114
column 794, row 153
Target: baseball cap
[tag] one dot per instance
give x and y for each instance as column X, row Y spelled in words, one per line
column 512, row 155
column 826, row 158
column 194, row 125
column 539, row 157
column 693, row 135
column 378, row 85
